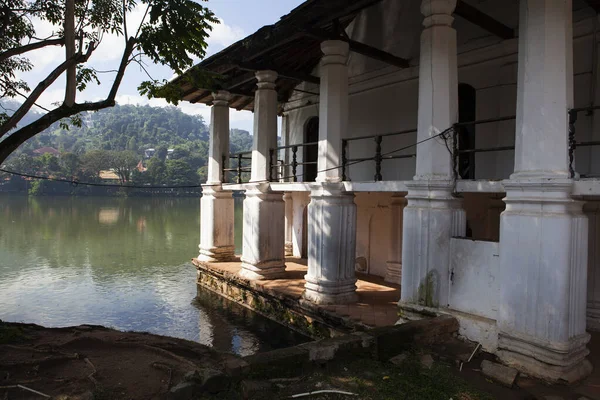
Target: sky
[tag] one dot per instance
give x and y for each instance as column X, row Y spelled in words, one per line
column 239, row 18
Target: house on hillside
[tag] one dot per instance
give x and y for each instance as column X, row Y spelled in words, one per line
column 46, row 150
column 451, row 146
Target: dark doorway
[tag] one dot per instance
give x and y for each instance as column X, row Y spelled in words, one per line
column 311, row 153
column 467, row 111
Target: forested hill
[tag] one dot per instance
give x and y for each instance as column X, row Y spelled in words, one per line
column 117, row 139
column 133, row 128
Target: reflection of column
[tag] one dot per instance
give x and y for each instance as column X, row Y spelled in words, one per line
column 543, row 232
column 289, row 226
column 331, row 246
column 216, row 206
column 433, row 215
column 394, row 264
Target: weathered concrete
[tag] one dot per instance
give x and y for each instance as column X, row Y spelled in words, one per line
column 500, row 373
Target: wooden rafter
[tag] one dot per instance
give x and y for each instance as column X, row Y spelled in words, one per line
column 203, row 95
column 484, row 21
column 239, row 81
column 293, row 75
column 361, row 48
column 245, row 103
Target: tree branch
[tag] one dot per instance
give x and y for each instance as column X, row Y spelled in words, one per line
column 69, row 29
column 10, row 143
column 29, row 47
column 41, row 87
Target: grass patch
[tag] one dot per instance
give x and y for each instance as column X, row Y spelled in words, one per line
column 371, row 379
column 11, row 334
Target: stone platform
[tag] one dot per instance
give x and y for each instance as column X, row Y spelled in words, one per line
column 281, row 299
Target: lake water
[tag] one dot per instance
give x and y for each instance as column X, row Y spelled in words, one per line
column 122, row 263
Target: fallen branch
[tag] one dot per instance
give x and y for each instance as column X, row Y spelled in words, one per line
column 322, row 391
column 91, row 376
column 33, row 391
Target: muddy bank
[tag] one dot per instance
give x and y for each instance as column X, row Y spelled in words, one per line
column 93, row 362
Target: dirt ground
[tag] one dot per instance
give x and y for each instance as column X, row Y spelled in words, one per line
column 91, row 362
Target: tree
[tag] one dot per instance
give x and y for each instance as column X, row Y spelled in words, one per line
column 95, row 161
column 156, row 171
column 123, row 163
column 171, row 32
column 69, row 163
column 179, row 173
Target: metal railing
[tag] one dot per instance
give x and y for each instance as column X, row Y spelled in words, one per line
column 573, row 143
column 457, row 152
column 378, row 158
column 239, row 168
column 273, row 163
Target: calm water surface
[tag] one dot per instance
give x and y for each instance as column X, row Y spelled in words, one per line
column 122, row 263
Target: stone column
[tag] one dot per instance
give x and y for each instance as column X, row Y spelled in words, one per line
column 592, row 211
column 264, row 210
column 289, row 223
column 333, row 109
column 394, row 264
column 216, row 206
column 331, row 278
column 543, row 232
column 433, row 215
column 265, row 125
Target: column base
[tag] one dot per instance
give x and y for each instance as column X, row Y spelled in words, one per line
column 550, row 361
column 217, row 225
column 331, row 278
column 320, row 292
column 262, row 271
column 217, row 254
column 393, row 273
column 263, row 245
column 289, row 249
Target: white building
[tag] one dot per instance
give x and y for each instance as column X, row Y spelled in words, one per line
column 494, row 220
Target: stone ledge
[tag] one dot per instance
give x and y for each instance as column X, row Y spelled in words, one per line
column 378, row 343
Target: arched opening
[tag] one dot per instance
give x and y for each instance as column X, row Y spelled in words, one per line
column 311, row 135
column 467, row 111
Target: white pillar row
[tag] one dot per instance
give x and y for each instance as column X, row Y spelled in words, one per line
column 394, row 263
column 289, row 223
column 331, row 278
column 543, row 232
column 433, row 215
column 264, row 210
column 333, row 109
column 216, row 205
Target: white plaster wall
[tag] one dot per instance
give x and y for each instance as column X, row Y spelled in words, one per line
column 299, row 202
column 373, row 231
column 474, row 287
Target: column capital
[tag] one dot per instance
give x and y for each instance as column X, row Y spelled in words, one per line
column 438, row 12
column 335, row 51
column 221, row 98
column 266, row 79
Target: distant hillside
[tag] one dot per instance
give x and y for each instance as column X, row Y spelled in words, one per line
column 129, row 127
column 117, row 139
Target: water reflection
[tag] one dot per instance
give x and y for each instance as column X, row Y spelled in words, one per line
column 122, row 263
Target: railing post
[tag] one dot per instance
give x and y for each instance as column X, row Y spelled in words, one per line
column 223, row 173
column 572, row 141
column 271, row 153
column 344, row 159
column 378, row 176
column 455, row 154
column 239, row 169
column 294, row 162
